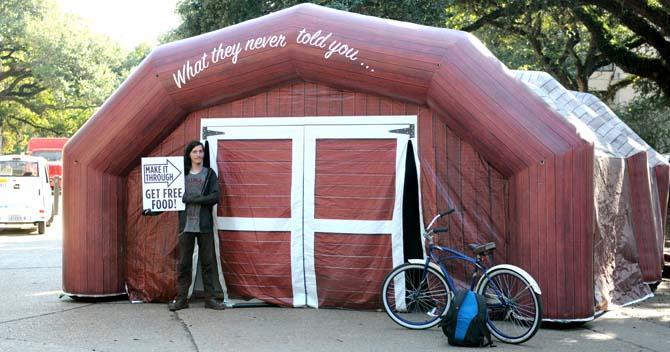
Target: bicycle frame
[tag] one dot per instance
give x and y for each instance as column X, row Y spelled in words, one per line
column 433, row 251
column 454, row 255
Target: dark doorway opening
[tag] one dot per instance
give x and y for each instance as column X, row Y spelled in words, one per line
column 411, row 226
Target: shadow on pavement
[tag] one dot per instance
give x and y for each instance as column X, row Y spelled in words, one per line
column 18, row 231
column 105, row 299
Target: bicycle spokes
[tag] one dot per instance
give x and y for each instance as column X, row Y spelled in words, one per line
column 514, row 308
column 414, row 297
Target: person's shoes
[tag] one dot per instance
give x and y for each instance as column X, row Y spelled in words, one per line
column 178, row 304
column 212, row 303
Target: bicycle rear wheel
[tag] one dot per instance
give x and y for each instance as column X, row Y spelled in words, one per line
column 514, row 308
column 414, row 297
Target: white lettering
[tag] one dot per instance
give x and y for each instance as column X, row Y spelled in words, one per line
column 303, row 37
column 342, row 49
column 318, row 39
column 315, row 39
column 272, row 41
column 180, row 77
column 188, row 71
column 215, row 53
column 232, row 51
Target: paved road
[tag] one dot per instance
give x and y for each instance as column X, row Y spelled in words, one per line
column 34, row 318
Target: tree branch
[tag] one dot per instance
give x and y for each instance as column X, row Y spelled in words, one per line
column 71, row 107
column 10, row 88
column 635, row 43
column 492, row 16
column 519, row 32
column 29, row 90
column 654, row 15
column 34, row 108
column 612, row 89
column 35, row 125
column 637, row 24
column 592, row 61
column 569, row 47
column 654, row 69
column 626, row 59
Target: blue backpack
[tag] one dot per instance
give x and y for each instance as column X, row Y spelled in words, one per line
column 465, row 323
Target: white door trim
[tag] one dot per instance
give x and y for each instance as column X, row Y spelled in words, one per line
column 293, row 224
column 308, row 121
column 312, row 225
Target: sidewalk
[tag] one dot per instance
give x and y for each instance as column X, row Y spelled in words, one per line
column 121, row 326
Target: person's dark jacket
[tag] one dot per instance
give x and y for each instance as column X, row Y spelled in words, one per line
column 207, row 198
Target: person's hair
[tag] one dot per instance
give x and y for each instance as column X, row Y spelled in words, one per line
column 187, row 154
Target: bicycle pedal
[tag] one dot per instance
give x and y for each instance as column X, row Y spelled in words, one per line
column 432, row 312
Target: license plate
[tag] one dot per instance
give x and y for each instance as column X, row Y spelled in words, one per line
column 16, row 218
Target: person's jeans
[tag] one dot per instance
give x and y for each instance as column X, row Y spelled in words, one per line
column 206, row 256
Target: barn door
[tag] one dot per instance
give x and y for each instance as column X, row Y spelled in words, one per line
column 311, row 211
column 259, row 217
column 354, row 177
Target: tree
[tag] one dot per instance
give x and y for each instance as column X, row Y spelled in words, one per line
column 649, row 116
column 571, row 39
column 54, row 74
column 201, row 16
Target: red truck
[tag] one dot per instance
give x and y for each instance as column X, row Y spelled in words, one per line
column 50, row 148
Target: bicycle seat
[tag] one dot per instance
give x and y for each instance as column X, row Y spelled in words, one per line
column 482, row 248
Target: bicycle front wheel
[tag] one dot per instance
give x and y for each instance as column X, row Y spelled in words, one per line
column 415, row 297
column 514, row 308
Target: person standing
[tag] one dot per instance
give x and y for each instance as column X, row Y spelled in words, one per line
column 196, row 222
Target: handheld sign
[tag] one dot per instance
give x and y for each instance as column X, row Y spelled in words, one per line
column 163, row 183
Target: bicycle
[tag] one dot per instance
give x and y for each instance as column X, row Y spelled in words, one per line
column 417, row 294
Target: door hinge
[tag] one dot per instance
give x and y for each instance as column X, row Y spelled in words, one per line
column 206, row 132
column 409, row 131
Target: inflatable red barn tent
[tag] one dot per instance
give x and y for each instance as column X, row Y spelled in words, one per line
column 313, row 116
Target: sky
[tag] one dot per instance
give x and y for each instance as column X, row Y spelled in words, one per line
column 129, row 22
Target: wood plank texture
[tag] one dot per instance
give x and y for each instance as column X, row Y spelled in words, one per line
column 662, row 173
column 340, row 192
column 643, row 228
column 255, row 177
column 257, row 265
column 350, row 269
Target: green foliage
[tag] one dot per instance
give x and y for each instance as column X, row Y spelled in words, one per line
column 131, row 61
column 532, row 35
column 55, row 72
column 572, row 39
column 201, row 16
column 649, row 117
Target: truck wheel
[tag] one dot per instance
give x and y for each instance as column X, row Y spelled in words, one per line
column 41, row 227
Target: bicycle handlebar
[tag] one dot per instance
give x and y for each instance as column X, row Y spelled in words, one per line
column 439, row 215
column 428, row 232
column 447, row 212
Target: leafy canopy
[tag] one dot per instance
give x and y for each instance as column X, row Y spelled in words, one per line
column 54, row 72
column 201, row 16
